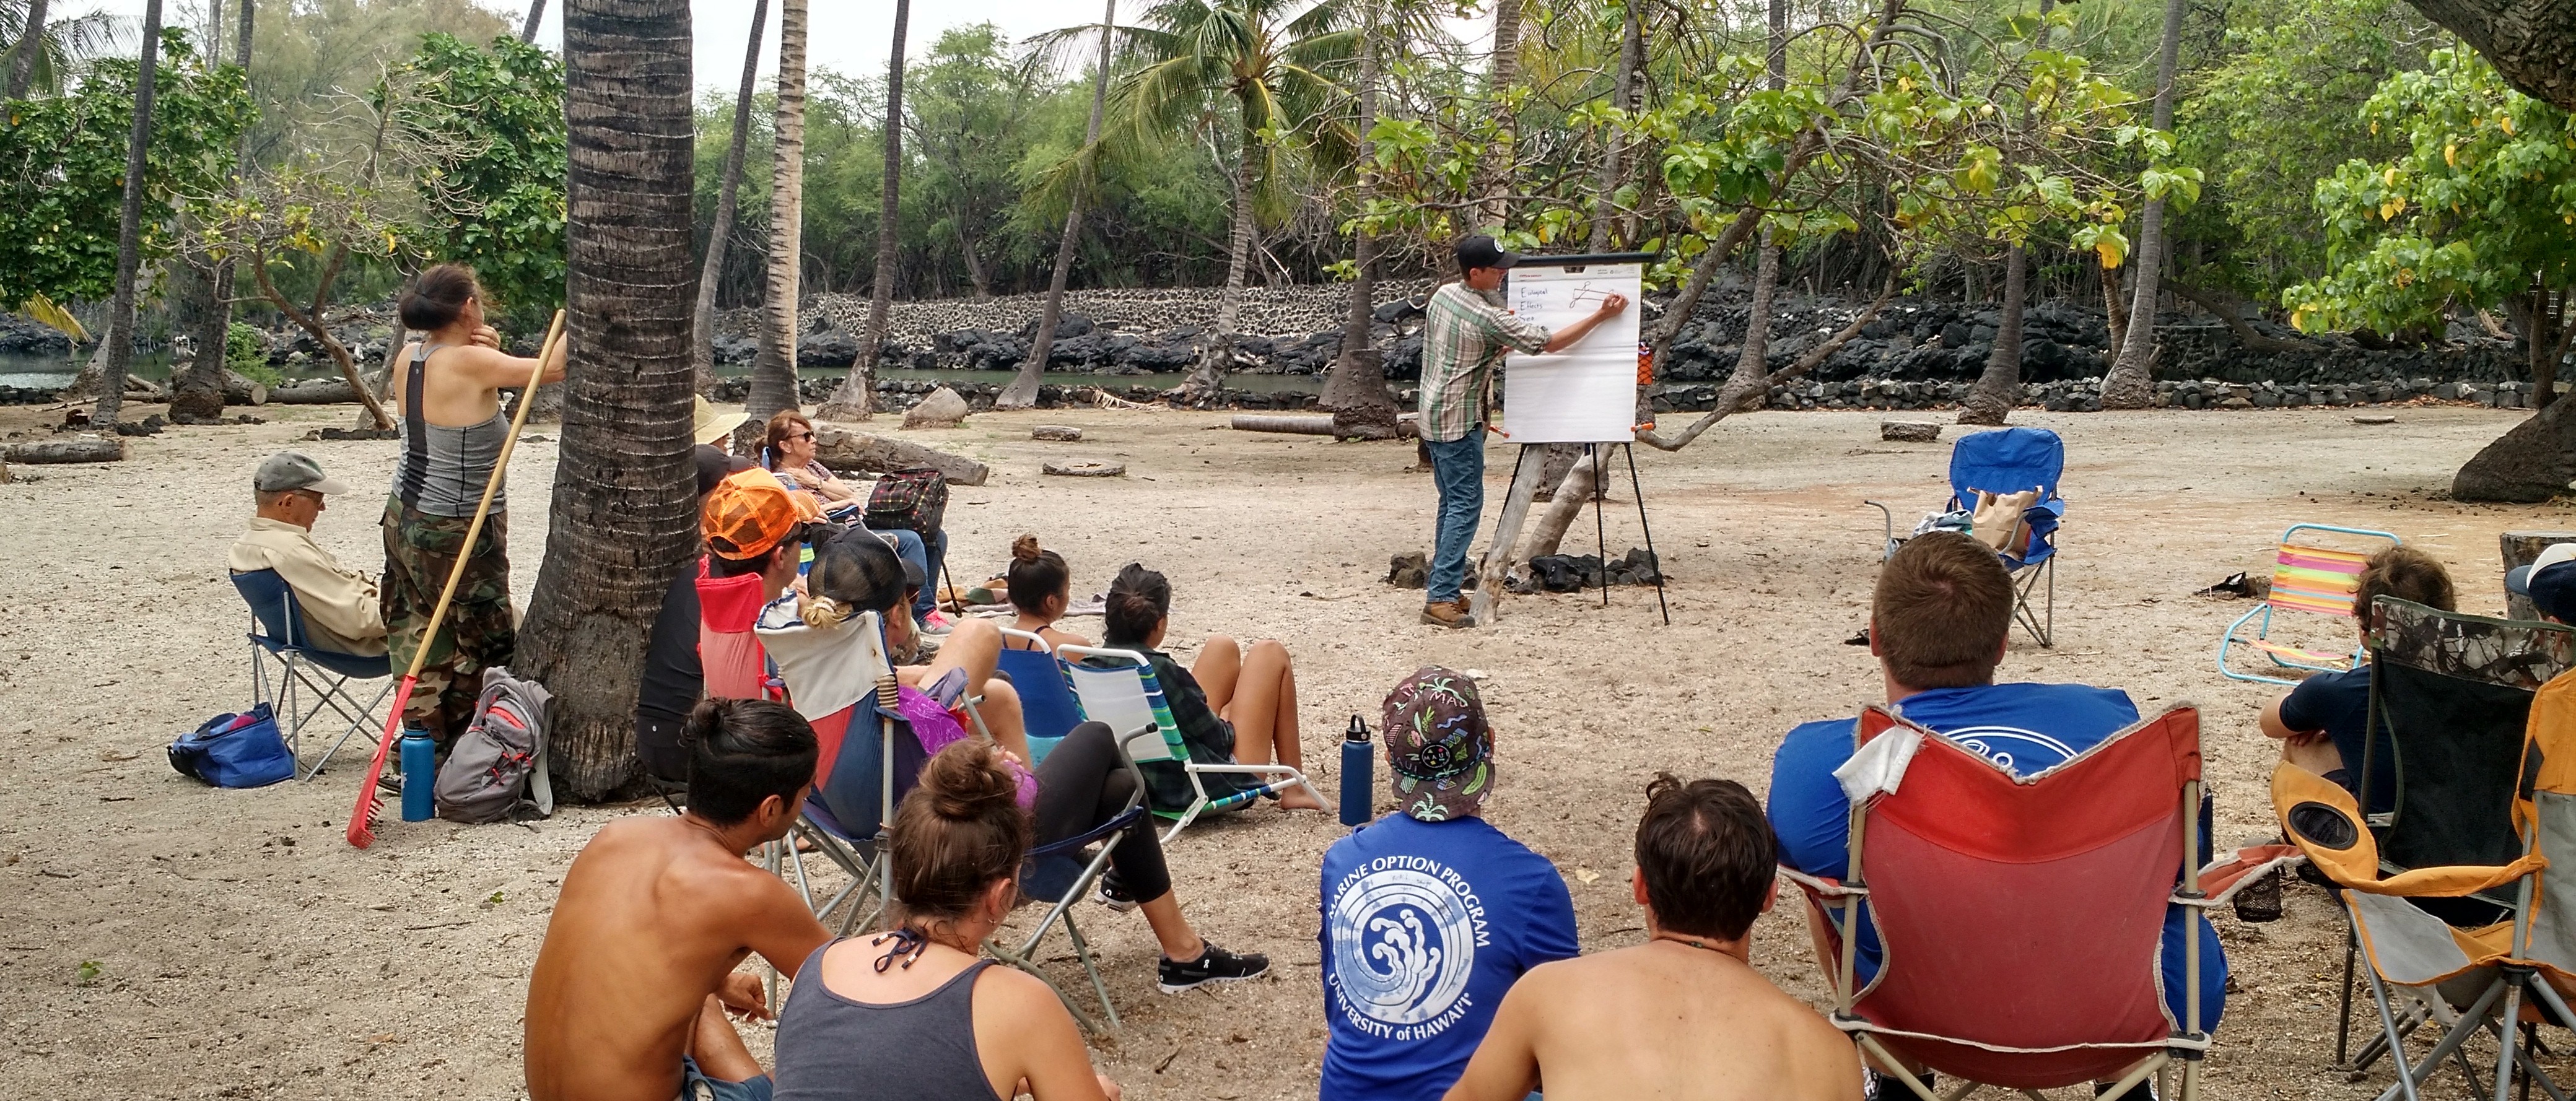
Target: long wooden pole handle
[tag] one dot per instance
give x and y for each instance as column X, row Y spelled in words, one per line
column 491, row 486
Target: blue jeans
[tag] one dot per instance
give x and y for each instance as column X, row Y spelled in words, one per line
column 1458, row 469
column 926, row 554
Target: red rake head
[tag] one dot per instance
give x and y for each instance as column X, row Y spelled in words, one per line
column 362, row 818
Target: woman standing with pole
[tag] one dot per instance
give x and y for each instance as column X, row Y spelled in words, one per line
column 445, row 530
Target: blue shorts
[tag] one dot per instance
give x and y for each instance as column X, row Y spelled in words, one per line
column 696, row 1086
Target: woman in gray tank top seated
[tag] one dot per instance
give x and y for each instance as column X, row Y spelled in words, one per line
column 916, row 1014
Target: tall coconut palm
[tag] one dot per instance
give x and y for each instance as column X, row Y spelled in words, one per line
column 2130, row 383
column 1355, row 389
column 536, row 17
column 1023, row 390
column 856, row 398
column 702, row 343
column 199, row 392
column 773, row 371
column 37, row 62
column 129, row 225
column 624, row 511
column 1502, row 71
column 1267, row 58
column 1991, row 400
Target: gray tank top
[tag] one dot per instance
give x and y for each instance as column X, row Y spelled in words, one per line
column 831, row 1048
column 441, row 470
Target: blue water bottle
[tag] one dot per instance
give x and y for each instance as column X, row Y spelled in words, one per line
column 1358, row 764
column 420, row 772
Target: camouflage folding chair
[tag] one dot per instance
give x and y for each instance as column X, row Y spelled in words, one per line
column 2439, row 892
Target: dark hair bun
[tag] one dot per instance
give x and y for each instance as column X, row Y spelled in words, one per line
column 967, row 782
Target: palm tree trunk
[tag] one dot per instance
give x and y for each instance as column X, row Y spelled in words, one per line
column 624, row 512
column 1355, row 389
column 2130, row 383
column 1999, row 386
column 856, row 399
column 1624, row 87
column 200, row 392
column 1502, row 71
column 1023, row 390
column 31, row 38
column 1755, row 349
column 536, row 15
column 1216, row 346
column 773, row 371
column 129, row 226
column 1992, row 399
column 702, row 325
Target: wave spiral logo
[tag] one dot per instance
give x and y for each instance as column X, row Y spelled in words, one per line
column 1404, row 946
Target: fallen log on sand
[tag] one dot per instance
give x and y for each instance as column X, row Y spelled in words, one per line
column 1301, row 426
column 846, row 450
column 65, row 451
column 317, row 391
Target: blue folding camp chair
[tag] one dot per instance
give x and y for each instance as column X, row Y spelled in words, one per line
column 277, row 634
column 1061, row 873
column 2010, row 460
column 1127, row 696
column 2004, row 461
column 1047, row 707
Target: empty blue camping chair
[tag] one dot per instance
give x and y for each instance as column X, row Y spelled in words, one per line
column 1047, row 708
column 277, row 634
column 2010, row 460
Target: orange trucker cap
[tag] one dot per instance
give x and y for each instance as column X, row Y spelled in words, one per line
column 748, row 513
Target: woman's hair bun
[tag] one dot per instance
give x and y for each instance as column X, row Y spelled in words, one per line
column 967, row 782
column 1025, row 548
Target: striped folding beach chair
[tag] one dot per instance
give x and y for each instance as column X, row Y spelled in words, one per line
column 2316, row 581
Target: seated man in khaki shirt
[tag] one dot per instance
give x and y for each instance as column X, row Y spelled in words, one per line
column 341, row 611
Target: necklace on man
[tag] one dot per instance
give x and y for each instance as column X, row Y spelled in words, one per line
column 1694, row 942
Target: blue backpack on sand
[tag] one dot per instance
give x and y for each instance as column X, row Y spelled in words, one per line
column 235, row 751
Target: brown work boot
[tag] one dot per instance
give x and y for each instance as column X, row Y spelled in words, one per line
column 1447, row 614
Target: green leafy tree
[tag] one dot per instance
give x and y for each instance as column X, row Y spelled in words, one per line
column 62, row 169
column 2475, row 212
column 493, row 194
column 2268, row 121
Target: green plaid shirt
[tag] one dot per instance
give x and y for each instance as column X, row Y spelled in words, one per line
column 1464, row 337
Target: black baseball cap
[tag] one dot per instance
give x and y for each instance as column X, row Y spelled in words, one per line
column 1480, row 251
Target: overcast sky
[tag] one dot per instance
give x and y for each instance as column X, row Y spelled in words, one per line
column 849, row 36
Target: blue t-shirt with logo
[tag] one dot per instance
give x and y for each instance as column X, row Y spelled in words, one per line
column 1426, row 926
column 2024, row 727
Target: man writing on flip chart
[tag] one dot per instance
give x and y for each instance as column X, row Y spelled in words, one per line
column 1465, row 334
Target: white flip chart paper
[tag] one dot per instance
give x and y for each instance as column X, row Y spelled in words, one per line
column 1586, row 393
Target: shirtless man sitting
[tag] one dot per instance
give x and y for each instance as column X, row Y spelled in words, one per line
column 1683, row 1015
column 628, row 999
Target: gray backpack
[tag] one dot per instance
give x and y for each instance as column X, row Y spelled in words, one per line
column 499, row 764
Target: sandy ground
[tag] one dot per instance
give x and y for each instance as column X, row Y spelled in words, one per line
column 162, row 939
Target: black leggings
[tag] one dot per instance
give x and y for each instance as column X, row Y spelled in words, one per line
column 1080, row 786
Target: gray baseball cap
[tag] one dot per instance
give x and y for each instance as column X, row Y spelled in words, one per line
column 294, row 470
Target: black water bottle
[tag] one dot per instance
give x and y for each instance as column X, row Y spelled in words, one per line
column 1357, row 766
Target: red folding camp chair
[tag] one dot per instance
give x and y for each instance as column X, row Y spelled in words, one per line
column 2020, row 917
column 735, row 666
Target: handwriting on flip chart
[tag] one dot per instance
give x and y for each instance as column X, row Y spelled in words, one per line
column 1584, row 393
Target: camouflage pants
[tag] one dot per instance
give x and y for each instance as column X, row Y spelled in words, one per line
column 479, row 630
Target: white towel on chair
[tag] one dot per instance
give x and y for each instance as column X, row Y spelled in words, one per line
column 1880, row 765
column 826, row 668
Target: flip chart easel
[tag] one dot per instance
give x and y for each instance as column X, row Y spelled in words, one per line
column 1585, row 394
